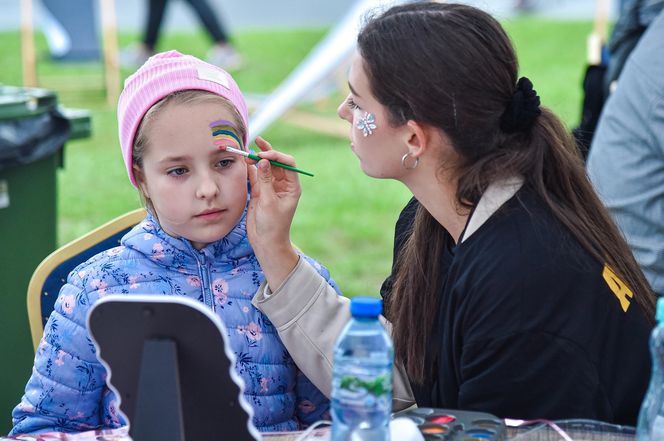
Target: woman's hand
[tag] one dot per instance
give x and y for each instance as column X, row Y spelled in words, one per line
column 275, row 193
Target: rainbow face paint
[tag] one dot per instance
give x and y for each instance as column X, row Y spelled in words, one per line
column 367, row 124
column 225, row 133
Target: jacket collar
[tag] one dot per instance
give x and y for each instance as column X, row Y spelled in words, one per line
column 496, row 194
column 149, row 239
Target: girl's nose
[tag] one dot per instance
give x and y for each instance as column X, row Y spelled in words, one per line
column 344, row 111
column 207, row 187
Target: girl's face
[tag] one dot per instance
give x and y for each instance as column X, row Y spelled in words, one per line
column 378, row 146
column 198, row 191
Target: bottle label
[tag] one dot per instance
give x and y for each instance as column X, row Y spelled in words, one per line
column 365, row 392
column 377, row 387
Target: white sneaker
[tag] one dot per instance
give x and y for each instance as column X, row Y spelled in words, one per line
column 134, row 55
column 225, row 57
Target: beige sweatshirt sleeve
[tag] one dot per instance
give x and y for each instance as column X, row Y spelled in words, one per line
column 309, row 315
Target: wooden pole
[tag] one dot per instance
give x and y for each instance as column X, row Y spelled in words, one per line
column 28, row 58
column 598, row 36
column 110, row 48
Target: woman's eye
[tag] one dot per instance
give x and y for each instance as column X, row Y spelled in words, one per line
column 177, row 171
column 225, row 163
column 350, row 103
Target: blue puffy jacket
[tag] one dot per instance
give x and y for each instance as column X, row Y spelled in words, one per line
column 67, row 389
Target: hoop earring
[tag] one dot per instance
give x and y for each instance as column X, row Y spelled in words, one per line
column 404, row 159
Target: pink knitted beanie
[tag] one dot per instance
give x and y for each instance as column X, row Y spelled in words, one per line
column 161, row 75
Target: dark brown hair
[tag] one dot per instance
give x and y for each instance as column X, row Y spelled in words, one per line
column 453, row 67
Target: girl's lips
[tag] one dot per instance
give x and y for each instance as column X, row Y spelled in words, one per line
column 210, row 215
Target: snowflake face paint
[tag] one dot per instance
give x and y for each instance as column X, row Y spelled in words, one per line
column 367, row 124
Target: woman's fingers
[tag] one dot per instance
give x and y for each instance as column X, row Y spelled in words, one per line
column 273, row 155
column 253, row 177
column 264, row 175
column 263, row 144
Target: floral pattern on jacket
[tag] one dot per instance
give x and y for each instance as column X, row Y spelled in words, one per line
column 67, row 389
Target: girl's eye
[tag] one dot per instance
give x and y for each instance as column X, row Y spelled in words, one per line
column 350, row 103
column 225, row 163
column 177, row 171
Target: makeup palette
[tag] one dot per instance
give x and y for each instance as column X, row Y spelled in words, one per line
column 456, row 425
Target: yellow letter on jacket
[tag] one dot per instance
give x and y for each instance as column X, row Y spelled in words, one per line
column 619, row 288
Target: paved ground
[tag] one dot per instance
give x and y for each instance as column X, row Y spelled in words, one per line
column 242, row 14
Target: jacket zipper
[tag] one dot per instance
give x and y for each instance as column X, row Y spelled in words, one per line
column 204, row 274
column 204, row 271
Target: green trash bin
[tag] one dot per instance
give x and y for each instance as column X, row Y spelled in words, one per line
column 33, row 132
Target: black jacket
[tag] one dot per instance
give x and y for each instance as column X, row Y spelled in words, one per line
column 529, row 327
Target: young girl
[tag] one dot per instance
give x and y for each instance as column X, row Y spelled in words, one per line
column 192, row 243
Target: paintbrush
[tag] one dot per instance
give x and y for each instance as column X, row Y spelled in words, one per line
column 255, row 157
column 224, row 133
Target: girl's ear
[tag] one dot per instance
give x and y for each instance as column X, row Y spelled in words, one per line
column 140, row 181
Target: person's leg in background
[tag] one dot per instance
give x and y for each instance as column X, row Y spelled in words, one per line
column 523, row 6
column 155, row 18
column 210, row 20
column 222, row 54
column 136, row 54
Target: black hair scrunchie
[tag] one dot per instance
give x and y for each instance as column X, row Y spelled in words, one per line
column 523, row 109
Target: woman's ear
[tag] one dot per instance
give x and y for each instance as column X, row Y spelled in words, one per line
column 418, row 137
column 421, row 137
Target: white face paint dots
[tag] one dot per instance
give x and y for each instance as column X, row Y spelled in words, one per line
column 367, row 123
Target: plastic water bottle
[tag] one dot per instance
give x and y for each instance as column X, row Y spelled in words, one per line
column 650, row 426
column 362, row 376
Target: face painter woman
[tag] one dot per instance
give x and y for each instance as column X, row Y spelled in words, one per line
column 512, row 291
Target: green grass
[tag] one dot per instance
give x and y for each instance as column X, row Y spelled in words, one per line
column 344, row 219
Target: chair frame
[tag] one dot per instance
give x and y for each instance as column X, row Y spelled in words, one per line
column 109, row 49
column 64, row 253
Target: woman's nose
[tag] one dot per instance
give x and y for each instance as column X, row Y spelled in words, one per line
column 343, row 111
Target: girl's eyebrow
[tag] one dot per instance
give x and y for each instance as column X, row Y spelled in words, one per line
column 174, row 159
column 220, row 152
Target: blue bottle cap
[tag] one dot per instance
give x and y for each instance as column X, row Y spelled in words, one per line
column 659, row 315
column 365, row 307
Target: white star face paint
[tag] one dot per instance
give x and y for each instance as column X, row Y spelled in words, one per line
column 367, row 123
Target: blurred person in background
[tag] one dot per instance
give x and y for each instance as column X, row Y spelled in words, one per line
column 635, row 16
column 626, row 161
column 523, row 6
column 222, row 53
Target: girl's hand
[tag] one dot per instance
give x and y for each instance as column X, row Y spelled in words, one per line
column 275, row 193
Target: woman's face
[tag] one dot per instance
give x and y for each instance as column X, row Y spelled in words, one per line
column 378, row 146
